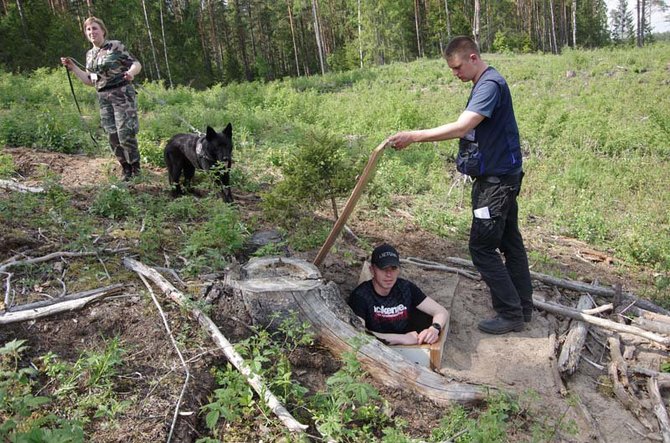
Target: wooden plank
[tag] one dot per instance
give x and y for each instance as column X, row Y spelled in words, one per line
column 351, row 203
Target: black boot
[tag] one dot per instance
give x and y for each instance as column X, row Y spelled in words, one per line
column 127, row 171
column 135, row 169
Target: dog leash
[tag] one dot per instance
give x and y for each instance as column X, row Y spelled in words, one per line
column 81, row 115
column 174, row 114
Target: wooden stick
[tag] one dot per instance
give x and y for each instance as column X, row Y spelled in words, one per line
column 574, row 342
column 351, row 203
column 14, row 186
column 601, row 322
column 659, row 408
column 229, row 351
column 579, row 287
column 599, row 309
column 56, row 306
column 426, row 264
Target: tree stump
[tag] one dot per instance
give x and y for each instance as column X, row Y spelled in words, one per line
column 276, row 286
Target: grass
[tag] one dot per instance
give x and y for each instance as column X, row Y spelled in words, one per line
column 594, row 144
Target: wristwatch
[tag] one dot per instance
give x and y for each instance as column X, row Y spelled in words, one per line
column 437, row 326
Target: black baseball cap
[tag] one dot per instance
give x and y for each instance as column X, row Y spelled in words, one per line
column 384, row 256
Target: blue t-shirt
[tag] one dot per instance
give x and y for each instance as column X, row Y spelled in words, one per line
column 498, row 134
column 394, row 313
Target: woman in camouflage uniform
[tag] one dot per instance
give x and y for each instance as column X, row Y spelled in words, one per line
column 111, row 69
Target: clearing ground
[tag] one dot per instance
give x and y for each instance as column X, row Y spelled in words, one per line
column 520, row 363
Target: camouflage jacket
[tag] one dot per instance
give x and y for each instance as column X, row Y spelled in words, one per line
column 108, row 63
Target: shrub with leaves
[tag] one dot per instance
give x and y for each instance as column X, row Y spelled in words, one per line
column 114, row 202
column 320, row 169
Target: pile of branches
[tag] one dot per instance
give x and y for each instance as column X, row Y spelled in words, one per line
column 609, row 330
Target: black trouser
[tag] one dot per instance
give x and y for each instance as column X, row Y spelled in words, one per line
column 509, row 282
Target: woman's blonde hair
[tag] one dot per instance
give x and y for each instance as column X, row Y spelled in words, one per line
column 95, row 20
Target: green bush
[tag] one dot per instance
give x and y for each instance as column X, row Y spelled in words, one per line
column 321, row 168
column 211, row 244
column 114, row 201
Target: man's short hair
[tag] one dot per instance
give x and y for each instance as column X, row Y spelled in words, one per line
column 461, row 45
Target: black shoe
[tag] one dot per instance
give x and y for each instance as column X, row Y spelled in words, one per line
column 527, row 316
column 500, row 325
column 135, row 169
column 127, row 172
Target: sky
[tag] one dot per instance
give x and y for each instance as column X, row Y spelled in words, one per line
column 657, row 18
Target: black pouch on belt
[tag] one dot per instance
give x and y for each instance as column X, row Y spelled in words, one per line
column 469, row 158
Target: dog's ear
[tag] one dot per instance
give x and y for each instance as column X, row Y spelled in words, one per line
column 229, row 130
column 211, row 133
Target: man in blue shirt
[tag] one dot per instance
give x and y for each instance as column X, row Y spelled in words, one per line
column 489, row 152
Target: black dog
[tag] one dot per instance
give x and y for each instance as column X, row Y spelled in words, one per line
column 188, row 152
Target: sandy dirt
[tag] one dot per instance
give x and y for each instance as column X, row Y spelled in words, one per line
column 521, row 363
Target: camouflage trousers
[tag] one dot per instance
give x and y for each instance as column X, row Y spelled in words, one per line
column 118, row 116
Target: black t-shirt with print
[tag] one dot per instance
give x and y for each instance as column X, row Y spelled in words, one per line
column 395, row 313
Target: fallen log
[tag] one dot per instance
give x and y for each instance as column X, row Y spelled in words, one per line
column 618, row 372
column 654, row 316
column 580, row 287
column 292, row 284
column 46, row 308
column 659, row 408
column 600, row 322
column 229, row 351
column 14, row 186
column 574, row 342
column 558, row 381
column 662, row 377
column 652, row 325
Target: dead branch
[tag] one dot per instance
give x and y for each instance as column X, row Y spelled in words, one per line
column 53, row 255
column 231, row 354
column 558, row 381
column 659, row 408
column 600, row 322
column 618, row 371
column 576, row 286
column 8, row 288
column 45, row 308
column 574, row 343
column 599, row 309
column 14, row 186
column 426, row 264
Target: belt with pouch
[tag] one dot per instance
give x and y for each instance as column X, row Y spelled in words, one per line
column 114, row 86
column 495, row 179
